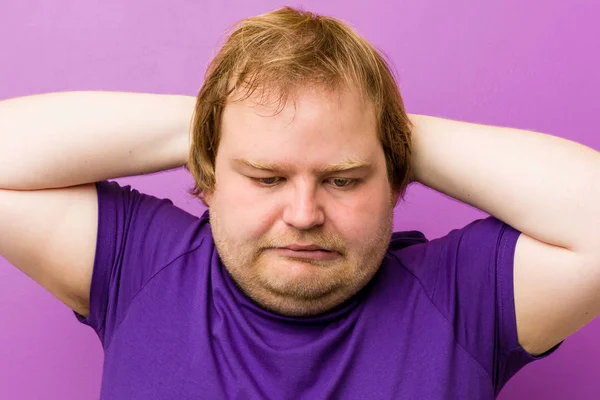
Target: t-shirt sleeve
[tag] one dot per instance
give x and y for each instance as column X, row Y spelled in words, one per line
column 469, row 277
column 138, row 235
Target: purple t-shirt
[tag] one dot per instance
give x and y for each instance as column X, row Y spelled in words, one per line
column 436, row 322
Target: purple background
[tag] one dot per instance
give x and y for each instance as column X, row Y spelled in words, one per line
column 526, row 64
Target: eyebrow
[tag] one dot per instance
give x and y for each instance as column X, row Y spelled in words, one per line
column 346, row 165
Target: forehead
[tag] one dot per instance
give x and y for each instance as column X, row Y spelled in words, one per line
column 308, row 116
column 313, row 132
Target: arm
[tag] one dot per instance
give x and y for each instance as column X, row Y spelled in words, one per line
column 53, row 148
column 65, row 139
column 546, row 187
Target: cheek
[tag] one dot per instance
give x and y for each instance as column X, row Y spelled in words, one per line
column 374, row 213
column 358, row 221
column 241, row 217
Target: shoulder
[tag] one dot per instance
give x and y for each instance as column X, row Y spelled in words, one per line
column 475, row 247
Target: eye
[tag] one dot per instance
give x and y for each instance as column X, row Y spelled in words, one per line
column 271, row 181
column 342, row 182
column 339, row 183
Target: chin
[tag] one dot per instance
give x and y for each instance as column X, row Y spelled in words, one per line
column 293, row 307
column 296, row 297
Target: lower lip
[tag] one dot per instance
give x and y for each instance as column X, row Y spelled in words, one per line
column 318, row 255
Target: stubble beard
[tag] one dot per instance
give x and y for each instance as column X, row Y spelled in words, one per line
column 333, row 284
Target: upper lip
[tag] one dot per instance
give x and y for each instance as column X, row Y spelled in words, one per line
column 299, row 247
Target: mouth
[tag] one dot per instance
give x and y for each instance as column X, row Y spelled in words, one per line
column 316, row 254
column 299, row 247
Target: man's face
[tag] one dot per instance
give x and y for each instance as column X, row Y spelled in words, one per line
column 274, row 191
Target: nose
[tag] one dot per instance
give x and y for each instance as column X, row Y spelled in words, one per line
column 303, row 210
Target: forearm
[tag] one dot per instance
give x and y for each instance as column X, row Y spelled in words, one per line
column 542, row 185
column 65, row 139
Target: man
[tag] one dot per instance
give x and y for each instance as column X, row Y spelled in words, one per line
column 292, row 284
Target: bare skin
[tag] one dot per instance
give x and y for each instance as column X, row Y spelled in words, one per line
column 254, row 211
